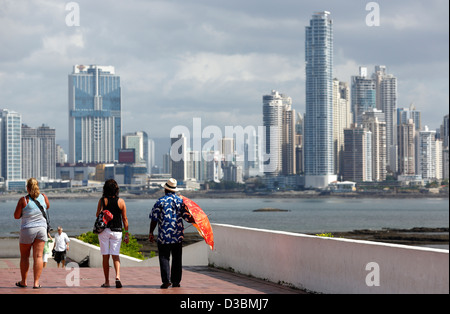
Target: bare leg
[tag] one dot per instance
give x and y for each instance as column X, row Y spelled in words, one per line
column 106, row 269
column 25, row 250
column 38, row 253
column 116, row 260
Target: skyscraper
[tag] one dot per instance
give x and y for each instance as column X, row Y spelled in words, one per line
column 138, row 141
column 386, row 85
column 95, row 123
column 38, row 152
column 357, row 154
column 406, row 148
column 429, row 155
column 363, row 94
column 374, row 122
column 273, row 125
column 179, row 158
column 279, row 124
column 319, row 157
column 342, row 119
column 10, row 145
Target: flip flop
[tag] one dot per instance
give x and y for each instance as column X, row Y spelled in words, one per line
column 19, row 284
column 105, row 286
column 37, row 287
column 118, row 283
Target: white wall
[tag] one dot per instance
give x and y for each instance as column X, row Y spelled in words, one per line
column 329, row 265
column 193, row 255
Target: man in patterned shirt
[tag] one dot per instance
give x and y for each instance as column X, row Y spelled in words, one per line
column 168, row 213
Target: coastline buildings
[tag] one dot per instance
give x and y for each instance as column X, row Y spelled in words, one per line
column 38, row 152
column 140, row 143
column 318, row 132
column 342, row 119
column 357, row 154
column 374, row 122
column 406, row 133
column 429, row 155
column 10, row 145
column 386, row 85
column 279, row 126
column 95, row 123
column 364, row 94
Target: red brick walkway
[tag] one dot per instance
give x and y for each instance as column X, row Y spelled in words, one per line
column 145, row 280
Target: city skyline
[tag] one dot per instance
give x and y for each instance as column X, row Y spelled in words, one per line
column 214, row 73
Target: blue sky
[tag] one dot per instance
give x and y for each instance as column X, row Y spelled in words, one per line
column 212, row 59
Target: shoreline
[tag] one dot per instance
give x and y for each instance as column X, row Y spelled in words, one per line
column 241, row 194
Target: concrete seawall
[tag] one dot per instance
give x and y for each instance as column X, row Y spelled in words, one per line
column 330, row 265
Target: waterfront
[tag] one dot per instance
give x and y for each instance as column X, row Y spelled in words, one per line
column 300, row 215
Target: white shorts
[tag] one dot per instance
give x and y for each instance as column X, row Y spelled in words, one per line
column 110, row 242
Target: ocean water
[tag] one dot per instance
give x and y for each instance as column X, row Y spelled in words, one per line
column 303, row 215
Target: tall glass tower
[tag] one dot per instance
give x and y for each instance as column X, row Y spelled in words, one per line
column 319, row 157
column 95, row 123
column 10, row 145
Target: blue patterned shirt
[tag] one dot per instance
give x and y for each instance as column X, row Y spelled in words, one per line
column 169, row 212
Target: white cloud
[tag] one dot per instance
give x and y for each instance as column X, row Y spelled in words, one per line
column 212, row 59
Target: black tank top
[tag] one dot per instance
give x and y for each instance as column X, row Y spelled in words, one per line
column 116, row 223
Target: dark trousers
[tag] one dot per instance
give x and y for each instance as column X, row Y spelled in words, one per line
column 165, row 250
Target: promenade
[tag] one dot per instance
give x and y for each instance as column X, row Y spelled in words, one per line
column 141, row 280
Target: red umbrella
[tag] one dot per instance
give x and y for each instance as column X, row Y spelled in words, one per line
column 202, row 223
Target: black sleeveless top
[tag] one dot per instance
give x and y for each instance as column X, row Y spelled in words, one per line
column 116, row 223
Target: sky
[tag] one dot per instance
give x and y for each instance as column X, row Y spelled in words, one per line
column 212, row 59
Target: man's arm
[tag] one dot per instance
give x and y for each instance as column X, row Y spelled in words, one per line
column 153, row 225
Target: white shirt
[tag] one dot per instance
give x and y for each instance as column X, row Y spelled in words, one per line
column 61, row 242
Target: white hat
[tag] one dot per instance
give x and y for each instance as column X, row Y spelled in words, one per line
column 171, row 185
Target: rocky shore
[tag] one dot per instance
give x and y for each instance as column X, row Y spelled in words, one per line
column 414, row 236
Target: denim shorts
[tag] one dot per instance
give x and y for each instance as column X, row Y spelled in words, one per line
column 29, row 235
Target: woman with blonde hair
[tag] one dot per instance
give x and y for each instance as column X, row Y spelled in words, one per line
column 33, row 232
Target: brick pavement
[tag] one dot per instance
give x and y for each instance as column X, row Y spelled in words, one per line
column 143, row 280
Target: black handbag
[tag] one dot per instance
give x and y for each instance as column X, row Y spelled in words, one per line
column 47, row 219
column 102, row 220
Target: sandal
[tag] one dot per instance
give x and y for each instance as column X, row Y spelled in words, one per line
column 19, row 284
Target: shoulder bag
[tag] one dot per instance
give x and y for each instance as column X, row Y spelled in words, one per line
column 102, row 220
column 47, row 219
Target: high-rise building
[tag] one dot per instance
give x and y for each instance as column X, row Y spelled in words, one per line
column 342, row 119
column 10, row 145
column 429, row 155
column 279, row 125
column 38, row 152
column 404, row 114
column 357, row 154
column 299, row 144
column 444, row 133
column 386, row 101
column 179, row 158
column 406, row 133
column 318, row 139
column 363, row 94
column 289, row 166
column 374, row 122
column 95, row 122
column 139, row 142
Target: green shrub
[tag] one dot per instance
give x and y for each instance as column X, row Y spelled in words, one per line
column 325, row 235
column 132, row 249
